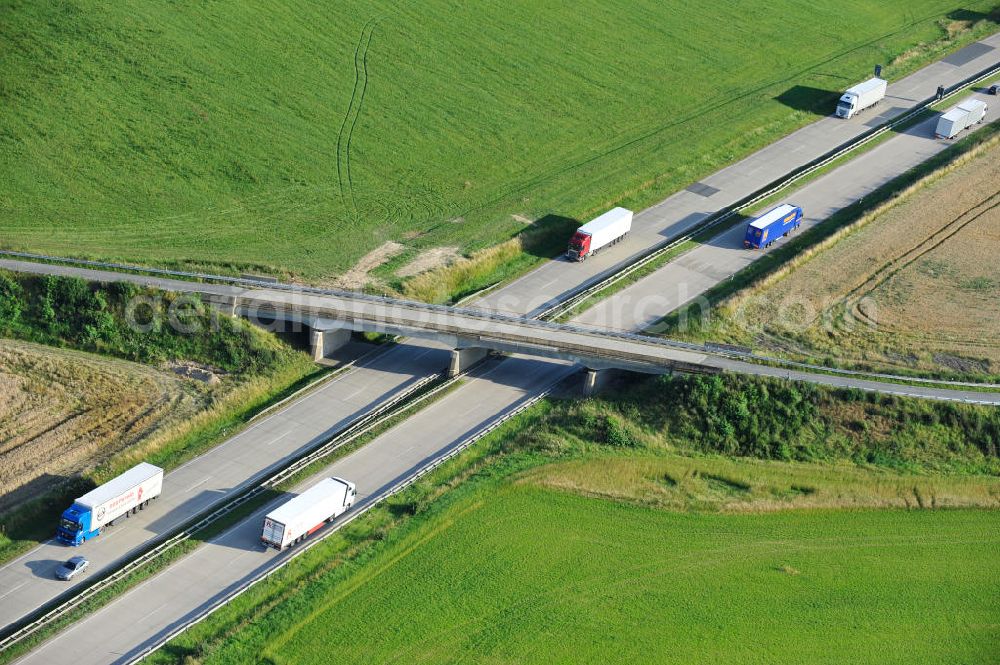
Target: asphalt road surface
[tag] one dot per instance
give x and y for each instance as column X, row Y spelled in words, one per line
column 642, row 304
column 28, row 582
column 119, row 630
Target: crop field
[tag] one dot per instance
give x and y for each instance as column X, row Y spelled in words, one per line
column 532, row 575
column 916, row 287
column 298, row 139
column 61, row 411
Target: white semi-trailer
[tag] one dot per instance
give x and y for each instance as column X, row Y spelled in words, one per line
column 600, row 232
column 862, row 96
column 960, row 117
column 130, row 491
column 295, row 519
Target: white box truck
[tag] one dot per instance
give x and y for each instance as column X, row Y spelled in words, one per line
column 605, row 230
column 860, row 97
column 960, row 117
column 130, row 491
column 295, row 519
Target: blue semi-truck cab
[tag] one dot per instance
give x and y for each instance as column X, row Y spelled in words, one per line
column 75, row 525
column 772, row 225
column 116, row 498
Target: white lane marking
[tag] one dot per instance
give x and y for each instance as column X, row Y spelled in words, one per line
column 151, row 613
column 200, row 482
column 13, row 590
column 11, row 564
column 279, row 438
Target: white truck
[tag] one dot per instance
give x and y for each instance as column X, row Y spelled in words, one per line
column 860, row 97
column 605, row 230
column 295, row 519
column 960, row 117
column 129, row 492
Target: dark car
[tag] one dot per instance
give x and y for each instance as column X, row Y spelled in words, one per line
column 994, row 89
column 72, row 568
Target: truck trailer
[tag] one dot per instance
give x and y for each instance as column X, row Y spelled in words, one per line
column 295, row 519
column 864, row 95
column 129, row 492
column 960, row 117
column 605, row 230
column 772, row 225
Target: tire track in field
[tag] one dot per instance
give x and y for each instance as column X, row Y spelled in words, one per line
column 357, row 114
column 910, row 256
column 354, row 108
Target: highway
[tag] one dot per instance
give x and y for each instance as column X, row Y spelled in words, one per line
column 28, row 582
column 684, row 210
column 642, row 304
column 594, row 347
column 119, row 630
column 160, row 603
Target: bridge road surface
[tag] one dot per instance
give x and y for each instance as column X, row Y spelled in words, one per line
column 642, row 304
column 526, row 291
column 118, row 631
column 28, row 582
column 683, row 210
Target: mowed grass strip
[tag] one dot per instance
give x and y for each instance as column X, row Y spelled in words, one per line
column 531, row 575
column 290, row 137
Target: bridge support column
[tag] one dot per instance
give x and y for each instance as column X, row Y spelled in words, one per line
column 324, row 342
column 595, row 380
column 463, row 359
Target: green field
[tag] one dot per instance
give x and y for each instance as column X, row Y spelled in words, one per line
column 294, row 137
column 528, row 575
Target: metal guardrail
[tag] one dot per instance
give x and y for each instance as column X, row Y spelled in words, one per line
column 629, row 358
column 354, row 514
column 542, row 318
column 808, row 367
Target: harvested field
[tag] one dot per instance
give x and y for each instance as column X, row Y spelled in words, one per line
column 916, row 287
column 63, row 411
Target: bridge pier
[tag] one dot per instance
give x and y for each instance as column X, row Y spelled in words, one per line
column 463, row 359
column 324, row 341
column 593, row 379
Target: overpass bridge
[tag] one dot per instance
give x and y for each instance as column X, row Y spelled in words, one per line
column 331, row 317
column 471, row 333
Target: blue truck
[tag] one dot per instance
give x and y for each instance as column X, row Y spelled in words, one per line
column 772, row 225
column 119, row 497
